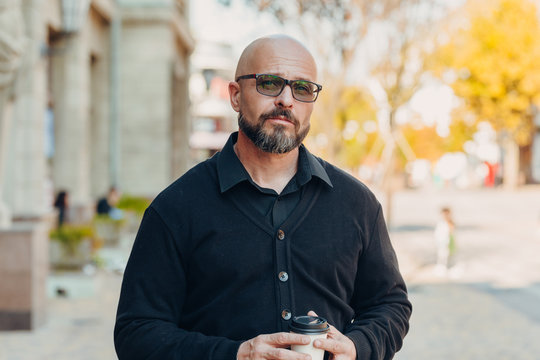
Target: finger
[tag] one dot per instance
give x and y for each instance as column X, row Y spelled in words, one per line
column 284, row 354
column 312, row 313
column 331, row 345
column 334, row 333
column 284, row 339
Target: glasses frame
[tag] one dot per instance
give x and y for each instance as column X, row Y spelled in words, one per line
column 286, row 82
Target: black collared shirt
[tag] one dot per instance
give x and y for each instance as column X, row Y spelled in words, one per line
column 207, row 270
column 234, row 178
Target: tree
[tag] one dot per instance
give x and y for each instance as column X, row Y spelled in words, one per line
column 335, row 28
column 355, row 122
column 491, row 62
column 424, row 141
column 399, row 73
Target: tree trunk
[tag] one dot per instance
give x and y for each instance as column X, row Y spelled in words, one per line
column 388, row 160
column 510, row 164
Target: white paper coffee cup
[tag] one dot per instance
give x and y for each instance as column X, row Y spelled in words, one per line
column 313, row 326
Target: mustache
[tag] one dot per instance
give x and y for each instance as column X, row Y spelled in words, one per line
column 287, row 114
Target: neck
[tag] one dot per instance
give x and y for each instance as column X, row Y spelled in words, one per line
column 268, row 170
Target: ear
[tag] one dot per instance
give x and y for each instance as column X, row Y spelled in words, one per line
column 234, row 95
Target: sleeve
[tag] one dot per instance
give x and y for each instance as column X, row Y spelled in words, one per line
column 382, row 309
column 151, row 300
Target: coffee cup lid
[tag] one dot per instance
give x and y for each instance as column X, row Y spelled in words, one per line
column 309, row 325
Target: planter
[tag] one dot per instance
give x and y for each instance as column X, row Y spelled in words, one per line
column 71, row 246
column 74, row 257
column 108, row 230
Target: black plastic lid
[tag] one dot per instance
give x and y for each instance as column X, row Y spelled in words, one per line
column 309, row 325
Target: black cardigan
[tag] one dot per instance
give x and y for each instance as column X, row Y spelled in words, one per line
column 203, row 272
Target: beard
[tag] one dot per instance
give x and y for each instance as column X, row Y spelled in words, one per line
column 276, row 140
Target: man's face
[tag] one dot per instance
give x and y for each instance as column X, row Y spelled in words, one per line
column 276, row 124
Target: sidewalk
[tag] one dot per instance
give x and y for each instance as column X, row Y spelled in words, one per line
column 470, row 322
column 80, row 323
column 486, row 308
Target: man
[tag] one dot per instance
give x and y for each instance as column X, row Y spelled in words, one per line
column 107, row 204
column 261, row 232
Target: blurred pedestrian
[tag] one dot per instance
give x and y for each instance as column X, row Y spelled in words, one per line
column 445, row 240
column 107, row 204
column 61, row 204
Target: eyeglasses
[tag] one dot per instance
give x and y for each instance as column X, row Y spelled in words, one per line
column 273, row 85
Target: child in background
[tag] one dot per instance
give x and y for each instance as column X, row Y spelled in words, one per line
column 444, row 239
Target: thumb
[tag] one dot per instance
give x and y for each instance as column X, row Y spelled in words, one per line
column 312, row 313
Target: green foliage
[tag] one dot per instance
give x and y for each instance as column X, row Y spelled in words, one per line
column 70, row 236
column 137, row 204
column 103, row 218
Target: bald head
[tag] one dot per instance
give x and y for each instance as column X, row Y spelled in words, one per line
column 276, row 48
column 274, row 122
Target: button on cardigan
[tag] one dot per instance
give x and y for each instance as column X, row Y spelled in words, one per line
column 205, row 270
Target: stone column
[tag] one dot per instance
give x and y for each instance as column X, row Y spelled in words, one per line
column 180, row 116
column 71, row 92
column 12, row 43
column 24, row 245
column 145, row 99
column 5, row 132
column 99, row 125
column 99, row 105
column 27, row 161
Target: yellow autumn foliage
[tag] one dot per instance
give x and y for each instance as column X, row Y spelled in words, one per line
column 345, row 129
column 494, row 62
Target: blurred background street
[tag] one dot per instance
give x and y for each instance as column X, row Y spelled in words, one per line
column 431, row 103
column 485, row 307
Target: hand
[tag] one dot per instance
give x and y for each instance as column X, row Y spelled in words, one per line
column 273, row 346
column 337, row 344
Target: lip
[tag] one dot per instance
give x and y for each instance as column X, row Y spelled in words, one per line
column 280, row 120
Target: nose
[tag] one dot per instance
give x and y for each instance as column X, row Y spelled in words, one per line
column 285, row 99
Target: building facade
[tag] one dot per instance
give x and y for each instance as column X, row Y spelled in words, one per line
column 93, row 94
column 108, row 86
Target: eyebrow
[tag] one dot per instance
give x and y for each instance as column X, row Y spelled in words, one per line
column 283, row 76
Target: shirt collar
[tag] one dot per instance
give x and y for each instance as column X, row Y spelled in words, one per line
column 309, row 166
column 231, row 171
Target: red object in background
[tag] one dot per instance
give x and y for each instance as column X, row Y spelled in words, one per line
column 489, row 180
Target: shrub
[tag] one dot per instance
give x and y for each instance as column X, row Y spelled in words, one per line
column 137, row 204
column 70, row 236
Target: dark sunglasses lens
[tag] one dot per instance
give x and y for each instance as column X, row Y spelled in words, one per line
column 270, row 85
column 304, row 90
